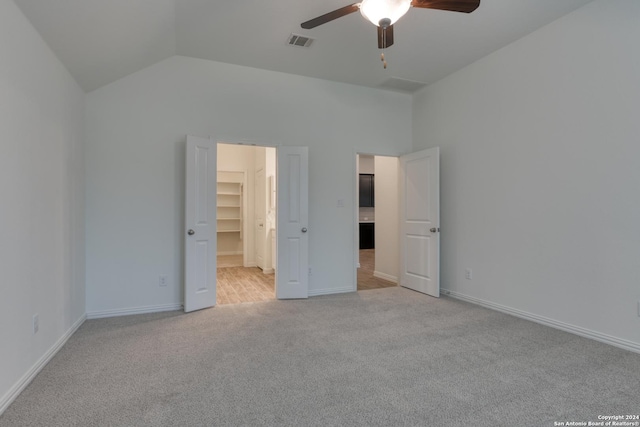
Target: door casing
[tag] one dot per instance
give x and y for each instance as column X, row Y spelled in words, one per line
column 278, row 254
column 354, row 186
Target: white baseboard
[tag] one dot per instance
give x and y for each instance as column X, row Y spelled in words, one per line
column 329, row 291
column 385, row 276
column 577, row 330
column 268, row 271
column 133, row 310
column 24, row 381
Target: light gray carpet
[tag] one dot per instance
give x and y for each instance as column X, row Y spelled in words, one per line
column 388, row 357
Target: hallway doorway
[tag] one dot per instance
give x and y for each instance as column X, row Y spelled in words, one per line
column 377, row 221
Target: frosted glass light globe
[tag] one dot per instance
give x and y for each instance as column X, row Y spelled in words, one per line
column 375, row 10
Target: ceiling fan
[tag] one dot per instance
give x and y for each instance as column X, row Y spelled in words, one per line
column 385, row 13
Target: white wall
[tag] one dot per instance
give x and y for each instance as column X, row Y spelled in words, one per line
column 270, row 171
column 540, row 153
column 135, row 165
column 41, row 188
column 387, row 221
column 367, row 164
column 260, row 209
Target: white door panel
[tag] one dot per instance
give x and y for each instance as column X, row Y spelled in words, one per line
column 420, row 221
column 292, row 280
column 200, row 224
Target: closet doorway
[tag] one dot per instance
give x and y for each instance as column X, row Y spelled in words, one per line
column 246, row 223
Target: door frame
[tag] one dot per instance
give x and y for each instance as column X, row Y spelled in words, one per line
column 280, row 151
column 356, row 207
column 246, row 225
column 250, row 143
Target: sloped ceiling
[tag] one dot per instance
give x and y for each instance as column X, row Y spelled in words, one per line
column 100, row 41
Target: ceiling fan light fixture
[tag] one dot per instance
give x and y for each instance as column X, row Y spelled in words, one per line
column 377, row 10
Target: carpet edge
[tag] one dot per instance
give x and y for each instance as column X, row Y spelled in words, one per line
column 329, row 291
column 567, row 327
column 133, row 310
column 26, row 379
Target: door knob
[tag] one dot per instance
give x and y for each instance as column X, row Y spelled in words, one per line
column 433, row 230
column 191, row 232
column 304, row 229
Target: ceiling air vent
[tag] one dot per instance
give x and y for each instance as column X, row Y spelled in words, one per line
column 300, row 41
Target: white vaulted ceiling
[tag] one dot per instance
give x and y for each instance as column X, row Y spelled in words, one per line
column 100, row 41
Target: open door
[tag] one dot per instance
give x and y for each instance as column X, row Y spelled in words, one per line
column 200, row 224
column 292, row 278
column 420, row 221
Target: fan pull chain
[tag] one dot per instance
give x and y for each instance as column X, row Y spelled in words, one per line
column 384, row 43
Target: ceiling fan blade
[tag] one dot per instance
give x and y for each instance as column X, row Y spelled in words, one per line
column 385, row 37
column 466, row 6
column 338, row 13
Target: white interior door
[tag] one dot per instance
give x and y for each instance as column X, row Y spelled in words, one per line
column 292, row 278
column 420, row 221
column 200, row 224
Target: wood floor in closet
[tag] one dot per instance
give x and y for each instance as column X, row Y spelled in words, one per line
column 249, row 284
column 244, row 284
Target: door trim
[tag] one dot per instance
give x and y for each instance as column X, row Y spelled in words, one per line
column 231, row 141
column 356, row 209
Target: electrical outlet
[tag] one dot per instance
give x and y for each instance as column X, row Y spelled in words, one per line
column 468, row 274
column 162, row 280
column 309, row 270
column 36, row 323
